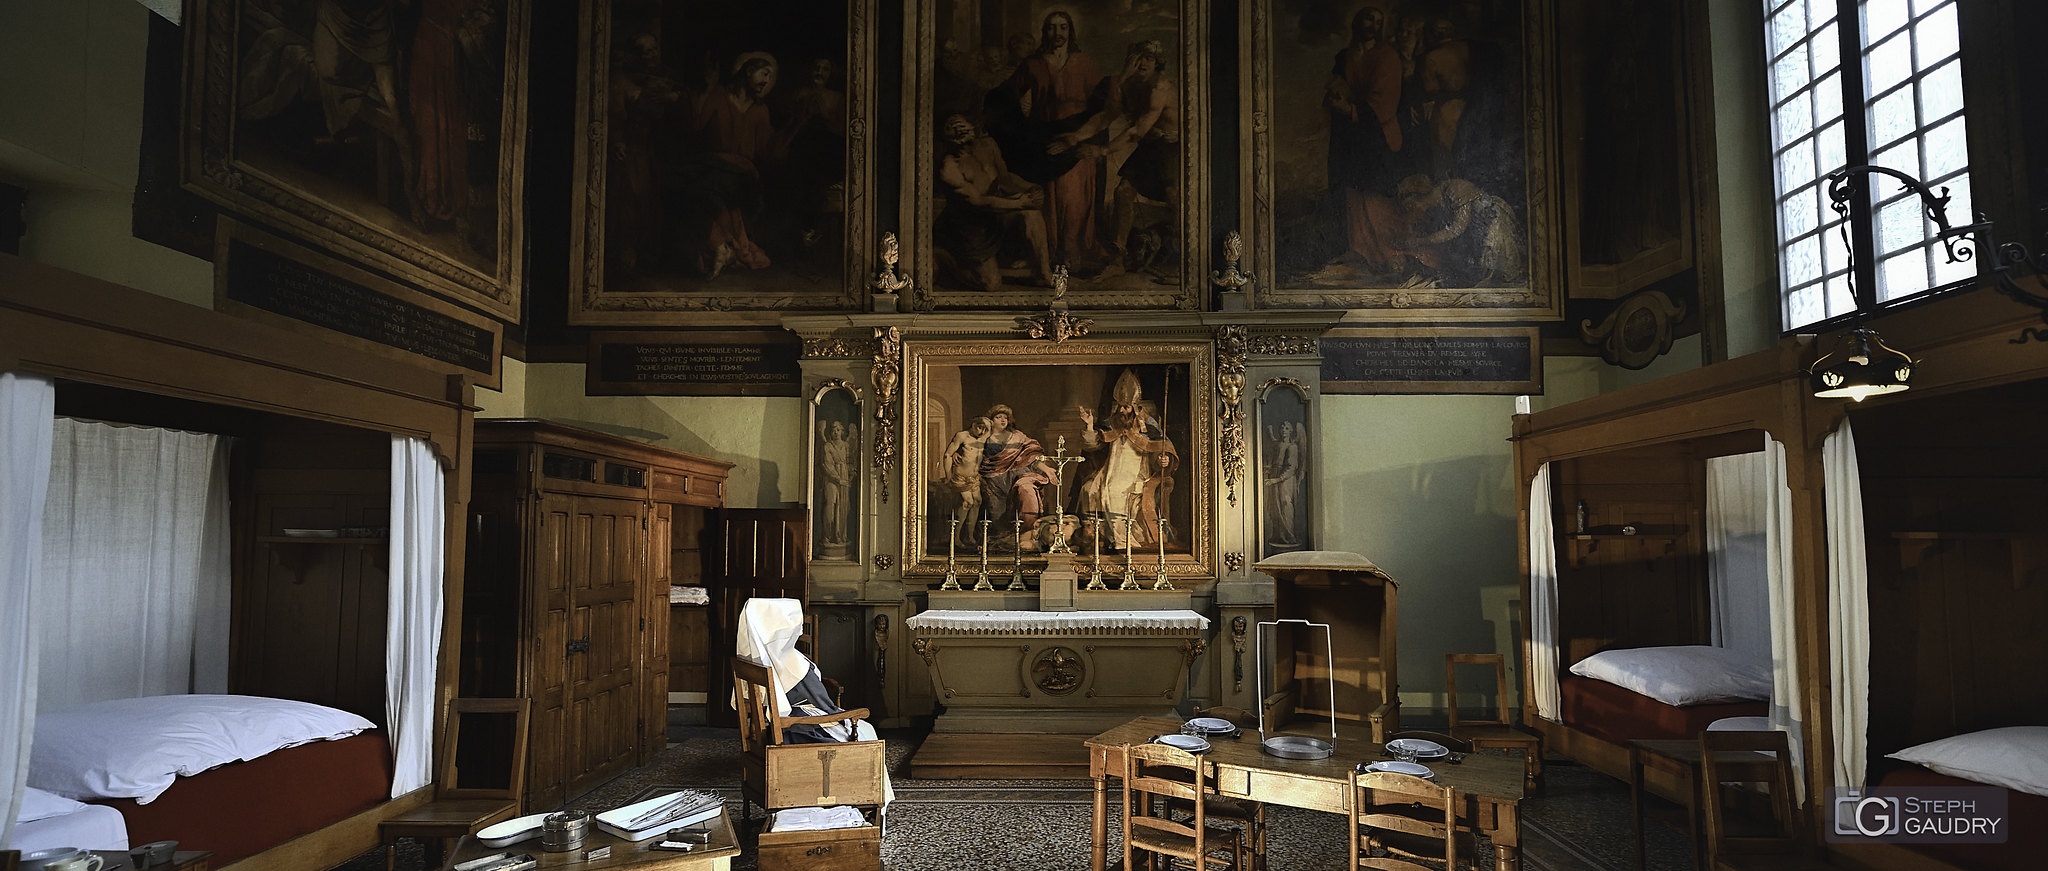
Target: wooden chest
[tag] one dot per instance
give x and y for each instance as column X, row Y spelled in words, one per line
column 850, row 849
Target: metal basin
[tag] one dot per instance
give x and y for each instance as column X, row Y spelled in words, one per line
column 1297, row 747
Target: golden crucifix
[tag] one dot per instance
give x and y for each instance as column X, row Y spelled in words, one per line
column 1059, row 461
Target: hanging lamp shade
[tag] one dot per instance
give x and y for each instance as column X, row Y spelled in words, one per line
column 1860, row 365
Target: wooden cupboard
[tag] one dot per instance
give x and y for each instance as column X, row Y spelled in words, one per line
column 573, row 541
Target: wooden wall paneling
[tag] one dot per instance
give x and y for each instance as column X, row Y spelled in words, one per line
column 654, row 631
column 762, row 552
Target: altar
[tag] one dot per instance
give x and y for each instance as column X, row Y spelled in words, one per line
column 1077, row 672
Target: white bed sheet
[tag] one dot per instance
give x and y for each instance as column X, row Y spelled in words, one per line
column 93, row 827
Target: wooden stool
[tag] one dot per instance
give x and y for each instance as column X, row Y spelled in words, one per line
column 1499, row 731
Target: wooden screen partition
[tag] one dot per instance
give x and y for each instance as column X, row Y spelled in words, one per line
column 1356, row 600
column 143, row 359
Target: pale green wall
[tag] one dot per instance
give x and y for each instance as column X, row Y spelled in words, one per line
column 762, row 437
column 70, row 132
column 1424, row 487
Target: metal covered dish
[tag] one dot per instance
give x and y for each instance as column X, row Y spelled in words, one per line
column 1297, row 747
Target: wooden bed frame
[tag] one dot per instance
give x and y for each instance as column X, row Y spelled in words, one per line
column 1967, row 342
column 85, row 331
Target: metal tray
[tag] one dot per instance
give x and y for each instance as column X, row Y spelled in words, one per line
column 1297, row 747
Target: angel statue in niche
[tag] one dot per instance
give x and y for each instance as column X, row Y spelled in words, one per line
column 1283, row 481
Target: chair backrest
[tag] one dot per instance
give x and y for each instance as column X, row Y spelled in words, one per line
column 1156, row 770
column 1410, row 816
column 753, row 693
column 1500, row 687
column 1455, row 745
column 496, row 730
column 1740, row 757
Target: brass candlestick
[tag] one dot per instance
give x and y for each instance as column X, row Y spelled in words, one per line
column 1095, row 573
column 981, row 578
column 1059, row 461
column 1159, row 581
column 952, row 578
column 1017, row 559
column 1130, row 571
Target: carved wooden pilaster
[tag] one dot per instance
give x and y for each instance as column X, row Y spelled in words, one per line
column 1230, row 354
column 887, row 374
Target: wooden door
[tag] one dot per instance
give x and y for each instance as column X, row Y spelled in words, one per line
column 589, row 573
column 654, row 628
column 761, row 553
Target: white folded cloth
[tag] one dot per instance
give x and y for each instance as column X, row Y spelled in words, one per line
column 811, row 819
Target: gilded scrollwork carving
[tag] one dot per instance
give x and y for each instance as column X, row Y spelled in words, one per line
column 1284, row 346
column 1234, row 561
column 887, row 374
column 925, row 648
column 1230, row 353
column 836, row 348
column 1230, row 279
column 1237, row 638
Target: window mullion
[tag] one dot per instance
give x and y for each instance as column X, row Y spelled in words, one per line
column 1856, row 147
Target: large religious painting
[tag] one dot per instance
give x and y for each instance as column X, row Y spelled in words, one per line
column 1060, row 148
column 723, row 175
column 1101, row 449
column 1400, row 155
column 389, row 133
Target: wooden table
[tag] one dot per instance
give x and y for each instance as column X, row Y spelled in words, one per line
column 1488, row 787
column 1680, row 758
column 638, row 855
column 182, row 860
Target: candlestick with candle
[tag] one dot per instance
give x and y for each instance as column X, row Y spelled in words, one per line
column 1130, row 571
column 981, row 579
column 952, row 581
column 1159, row 581
column 1095, row 573
column 1017, row 559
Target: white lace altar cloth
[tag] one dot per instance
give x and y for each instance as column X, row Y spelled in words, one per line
column 1058, row 622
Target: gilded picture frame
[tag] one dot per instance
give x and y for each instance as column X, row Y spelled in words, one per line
column 1400, row 158
column 724, row 175
column 1053, row 400
column 390, row 135
column 1082, row 168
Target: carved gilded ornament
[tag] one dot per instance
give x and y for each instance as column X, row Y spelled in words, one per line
column 1058, row 671
column 889, row 281
column 1234, row 561
column 1284, row 346
column 883, row 561
column 925, row 648
column 1230, row 353
column 1229, row 279
column 887, row 374
column 1237, row 639
column 881, row 651
column 833, row 348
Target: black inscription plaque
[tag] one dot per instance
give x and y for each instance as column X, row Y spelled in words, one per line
column 278, row 284
column 1432, row 360
column 682, row 363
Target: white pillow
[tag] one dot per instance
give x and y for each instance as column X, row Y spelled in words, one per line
column 1681, row 675
column 1740, row 724
column 2015, row 757
column 37, row 804
column 136, row 748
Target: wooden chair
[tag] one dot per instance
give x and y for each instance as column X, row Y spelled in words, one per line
column 1156, row 771
column 1499, row 731
column 1779, row 842
column 460, row 807
column 1410, row 817
column 777, row 775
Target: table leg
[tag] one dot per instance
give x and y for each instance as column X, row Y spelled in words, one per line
column 1506, row 858
column 1635, row 799
column 1098, row 845
column 1692, row 818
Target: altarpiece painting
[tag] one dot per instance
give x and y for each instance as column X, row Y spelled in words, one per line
column 1104, row 447
column 724, row 174
column 1400, row 158
column 390, row 133
column 1060, row 145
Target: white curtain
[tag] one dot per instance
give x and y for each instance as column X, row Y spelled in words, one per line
column 413, row 641
column 135, row 586
column 1784, row 711
column 27, row 403
column 1738, row 558
column 1848, row 605
column 1543, row 656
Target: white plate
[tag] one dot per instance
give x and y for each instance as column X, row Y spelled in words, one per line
column 1422, row 748
column 511, row 831
column 1213, row 725
column 1190, row 743
column 1399, row 767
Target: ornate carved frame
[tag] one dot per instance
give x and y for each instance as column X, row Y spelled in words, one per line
column 593, row 303
column 1197, row 420
column 1539, row 299
column 1190, row 73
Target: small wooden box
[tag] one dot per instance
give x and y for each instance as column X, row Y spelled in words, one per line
column 825, row 774
column 850, row 849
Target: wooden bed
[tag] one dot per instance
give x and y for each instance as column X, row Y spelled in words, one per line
column 315, row 419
